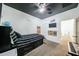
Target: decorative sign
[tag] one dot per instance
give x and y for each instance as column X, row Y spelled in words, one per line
column 52, row 20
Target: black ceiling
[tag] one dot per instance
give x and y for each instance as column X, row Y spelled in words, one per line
column 51, row 8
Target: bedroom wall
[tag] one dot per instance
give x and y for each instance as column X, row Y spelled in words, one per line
column 20, row 21
column 45, row 28
column 70, row 14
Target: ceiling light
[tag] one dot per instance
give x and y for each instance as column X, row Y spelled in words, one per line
column 41, row 10
column 41, row 7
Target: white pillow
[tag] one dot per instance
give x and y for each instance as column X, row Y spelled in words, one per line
column 13, row 36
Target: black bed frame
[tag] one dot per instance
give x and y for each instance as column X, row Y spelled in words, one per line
column 29, row 43
column 23, row 43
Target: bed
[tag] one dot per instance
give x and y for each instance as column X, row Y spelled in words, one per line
column 23, row 43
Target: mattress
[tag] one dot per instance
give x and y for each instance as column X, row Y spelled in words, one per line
column 26, row 39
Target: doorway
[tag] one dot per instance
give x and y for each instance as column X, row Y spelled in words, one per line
column 68, row 30
column 77, row 30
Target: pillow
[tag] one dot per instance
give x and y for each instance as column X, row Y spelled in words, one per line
column 18, row 35
column 13, row 36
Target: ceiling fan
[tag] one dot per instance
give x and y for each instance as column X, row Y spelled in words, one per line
column 41, row 6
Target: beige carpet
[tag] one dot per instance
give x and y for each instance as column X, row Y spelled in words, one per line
column 51, row 48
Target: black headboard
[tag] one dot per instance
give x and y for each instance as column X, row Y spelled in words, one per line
column 5, row 35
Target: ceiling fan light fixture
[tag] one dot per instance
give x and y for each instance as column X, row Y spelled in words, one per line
column 41, row 10
column 41, row 7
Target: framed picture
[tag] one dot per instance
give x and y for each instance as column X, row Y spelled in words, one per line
column 52, row 25
column 38, row 29
column 53, row 33
column 50, row 32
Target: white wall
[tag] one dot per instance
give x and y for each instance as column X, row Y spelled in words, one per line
column 21, row 22
column 70, row 14
column 45, row 28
